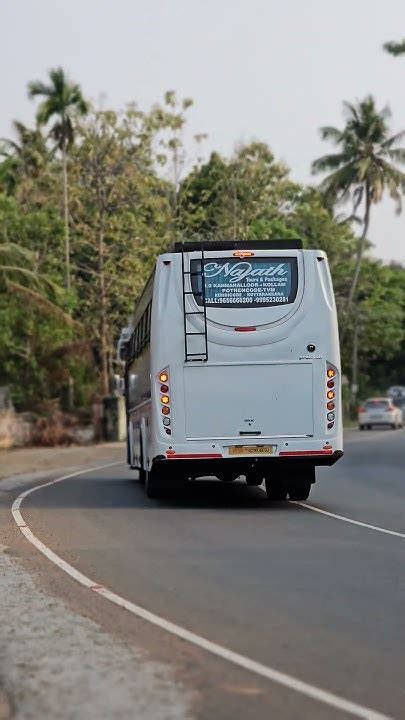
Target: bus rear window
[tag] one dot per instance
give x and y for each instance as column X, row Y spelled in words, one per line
column 257, row 282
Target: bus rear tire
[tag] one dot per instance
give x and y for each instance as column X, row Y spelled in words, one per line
column 153, row 484
column 142, row 471
column 299, row 492
column 275, row 490
column 299, row 487
column 254, row 478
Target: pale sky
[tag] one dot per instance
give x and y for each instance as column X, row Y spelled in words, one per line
column 256, row 69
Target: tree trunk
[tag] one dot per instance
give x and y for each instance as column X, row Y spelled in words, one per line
column 66, row 216
column 360, row 249
column 105, row 385
column 71, row 390
column 355, row 358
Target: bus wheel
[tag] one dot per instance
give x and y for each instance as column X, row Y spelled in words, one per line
column 299, row 492
column 254, row 478
column 142, row 471
column 275, row 490
column 153, row 484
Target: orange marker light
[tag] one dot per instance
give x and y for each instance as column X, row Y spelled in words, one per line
column 330, row 395
column 166, row 410
column 331, row 373
column 163, row 377
column 331, row 406
column 165, row 399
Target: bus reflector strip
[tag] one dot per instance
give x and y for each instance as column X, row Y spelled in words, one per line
column 245, row 329
column 172, row 455
column 300, row 453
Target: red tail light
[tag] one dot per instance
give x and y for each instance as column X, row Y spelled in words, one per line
column 361, row 409
column 391, row 409
column 245, row 329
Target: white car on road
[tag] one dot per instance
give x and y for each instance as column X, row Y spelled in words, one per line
column 379, row 411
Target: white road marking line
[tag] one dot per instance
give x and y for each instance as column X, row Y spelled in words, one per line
column 348, row 520
column 246, row 663
column 342, row 517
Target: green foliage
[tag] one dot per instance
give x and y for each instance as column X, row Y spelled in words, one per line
column 130, row 197
column 395, row 48
column 236, row 197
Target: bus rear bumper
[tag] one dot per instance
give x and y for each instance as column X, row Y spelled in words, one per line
column 199, row 465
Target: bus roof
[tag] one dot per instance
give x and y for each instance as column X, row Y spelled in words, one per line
column 291, row 244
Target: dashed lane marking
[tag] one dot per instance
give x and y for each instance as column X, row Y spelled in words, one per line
column 281, row 678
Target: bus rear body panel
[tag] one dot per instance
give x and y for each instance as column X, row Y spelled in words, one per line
column 236, row 401
column 261, row 395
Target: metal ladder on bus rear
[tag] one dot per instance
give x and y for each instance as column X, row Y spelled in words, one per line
column 187, row 291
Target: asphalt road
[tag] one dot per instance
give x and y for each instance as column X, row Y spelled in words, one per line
column 301, row 592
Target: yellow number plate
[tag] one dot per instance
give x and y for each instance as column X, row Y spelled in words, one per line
column 251, row 450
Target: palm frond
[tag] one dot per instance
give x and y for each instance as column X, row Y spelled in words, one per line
column 336, row 186
column 36, row 87
column 328, row 132
column 395, row 48
column 13, row 252
column 387, row 144
column 350, row 110
column 397, row 154
column 40, row 301
column 327, row 162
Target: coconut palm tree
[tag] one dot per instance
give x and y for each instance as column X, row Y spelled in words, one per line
column 363, row 169
column 28, row 152
column 62, row 103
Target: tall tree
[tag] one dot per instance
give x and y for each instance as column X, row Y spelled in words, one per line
column 364, row 168
column 121, row 213
column 63, row 102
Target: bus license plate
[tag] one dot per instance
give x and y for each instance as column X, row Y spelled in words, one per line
column 251, row 450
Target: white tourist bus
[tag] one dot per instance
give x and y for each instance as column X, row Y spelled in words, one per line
column 232, row 368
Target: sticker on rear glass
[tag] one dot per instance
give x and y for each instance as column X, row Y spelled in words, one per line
column 257, row 282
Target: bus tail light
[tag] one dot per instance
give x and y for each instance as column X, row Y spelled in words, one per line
column 164, row 388
column 331, row 378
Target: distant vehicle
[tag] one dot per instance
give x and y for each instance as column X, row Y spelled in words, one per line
column 233, row 368
column 397, row 395
column 381, row 412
